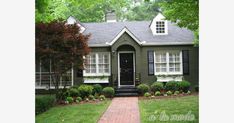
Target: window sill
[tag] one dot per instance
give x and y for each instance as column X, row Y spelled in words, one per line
column 169, row 78
column 96, row 80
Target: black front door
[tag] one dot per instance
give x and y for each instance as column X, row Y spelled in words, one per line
column 126, row 69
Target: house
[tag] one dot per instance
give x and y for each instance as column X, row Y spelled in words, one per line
column 125, row 54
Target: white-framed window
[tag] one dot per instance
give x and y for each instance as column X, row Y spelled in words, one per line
column 97, row 64
column 160, row 27
column 168, row 62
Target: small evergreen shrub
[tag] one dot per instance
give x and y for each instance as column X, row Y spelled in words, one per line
column 156, row 86
column 184, row 86
column 176, row 92
column 91, row 97
column 157, row 93
column 172, row 86
column 97, row 88
column 169, row 93
column 79, row 99
column 85, row 90
column 189, row 92
column 143, row 88
column 74, row 92
column 69, row 99
column 108, row 91
column 147, row 94
column 102, row 97
column 62, row 95
column 44, row 102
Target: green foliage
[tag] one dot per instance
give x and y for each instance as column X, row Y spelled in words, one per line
column 185, row 13
column 108, row 91
column 157, row 93
column 44, row 102
column 169, row 93
column 62, row 94
column 189, row 92
column 171, row 86
column 102, row 97
column 91, row 97
column 79, row 99
column 69, row 99
column 97, row 88
column 74, row 92
column 184, row 85
column 147, row 94
column 176, row 92
column 156, row 86
column 143, row 88
column 85, row 90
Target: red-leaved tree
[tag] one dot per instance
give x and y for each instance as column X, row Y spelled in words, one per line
column 60, row 46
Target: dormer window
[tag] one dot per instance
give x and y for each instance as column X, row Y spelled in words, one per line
column 160, row 27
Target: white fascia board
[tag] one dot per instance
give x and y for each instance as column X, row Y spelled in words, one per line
column 121, row 33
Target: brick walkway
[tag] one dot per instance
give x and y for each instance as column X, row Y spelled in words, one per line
column 122, row 110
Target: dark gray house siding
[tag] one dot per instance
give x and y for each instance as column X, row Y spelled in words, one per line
column 125, row 42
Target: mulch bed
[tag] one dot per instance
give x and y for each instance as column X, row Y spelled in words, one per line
column 167, row 97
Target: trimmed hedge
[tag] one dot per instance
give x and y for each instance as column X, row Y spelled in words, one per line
column 97, row 88
column 156, row 86
column 172, row 86
column 85, row 90
column 44, row 102
column 184, row 86
column 143, row 88
column 108, row 91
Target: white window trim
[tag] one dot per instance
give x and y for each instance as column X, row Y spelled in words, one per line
column 167, row 57
column 97, row 70
column 165, row 27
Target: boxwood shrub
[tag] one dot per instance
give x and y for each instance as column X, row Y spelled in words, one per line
column 184, row 86
column 147, row 94
column 156, row 86
column 108, row 91
column 44, row 102
column 143, row 88
column 97, row 88
column 69, row 99
column 85, row 90
column 172, row 86
column 74, row 92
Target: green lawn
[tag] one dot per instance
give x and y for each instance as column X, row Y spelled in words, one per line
column 79, row 113
column 171, row 110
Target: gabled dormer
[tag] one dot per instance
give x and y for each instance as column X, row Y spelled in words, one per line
column 159, row 26
column 72, row 20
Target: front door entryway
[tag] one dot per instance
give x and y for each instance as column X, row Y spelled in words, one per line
column 126, row 68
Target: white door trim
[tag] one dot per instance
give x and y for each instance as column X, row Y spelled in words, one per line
column 133, row 53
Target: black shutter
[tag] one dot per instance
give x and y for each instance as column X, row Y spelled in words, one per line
column 79, row 73
column 185, row 62
column 150, row 55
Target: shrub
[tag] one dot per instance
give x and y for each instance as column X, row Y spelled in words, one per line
column 97, row 88
column 79, row 98
column 171, row 86
column 86, row 99
column 85, row 90
column 184, row 86
column 156, row 86
column 91, row 97
column 176, row 92
column 69, row 99
column 143, row 88
column 157, row 93
column 74, row 92
column 147, row 94
column 62, row 95
column 102, row 97
column 169, row 93
column 188, row 92
column 96, row 96
column 44, row 102
column 108, row 91
column 77, row 101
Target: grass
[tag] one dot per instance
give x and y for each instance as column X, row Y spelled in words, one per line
column 171, row 110
column 78, row 113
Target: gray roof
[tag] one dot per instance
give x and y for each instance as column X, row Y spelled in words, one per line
column 106, row 32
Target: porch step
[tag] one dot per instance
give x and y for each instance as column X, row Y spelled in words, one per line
column 126, row 91
column 126, row 94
